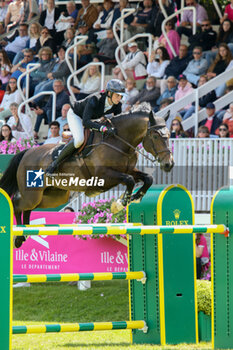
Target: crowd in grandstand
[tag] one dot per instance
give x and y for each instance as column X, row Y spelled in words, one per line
column 37, row 31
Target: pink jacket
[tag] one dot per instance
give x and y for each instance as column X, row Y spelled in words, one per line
column 174, row 38
column 183, row 92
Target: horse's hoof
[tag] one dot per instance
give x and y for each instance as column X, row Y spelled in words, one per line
column 18, row 241
column 116, row 206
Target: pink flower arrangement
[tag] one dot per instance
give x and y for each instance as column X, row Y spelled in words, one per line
column 99, row 212
column 7, row 147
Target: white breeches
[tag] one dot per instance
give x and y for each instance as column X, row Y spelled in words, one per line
column 76, row 127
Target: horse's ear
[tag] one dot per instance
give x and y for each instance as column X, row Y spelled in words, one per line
column 152, row 119
column 167, row 116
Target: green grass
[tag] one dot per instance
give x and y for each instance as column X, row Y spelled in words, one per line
column 61, row 303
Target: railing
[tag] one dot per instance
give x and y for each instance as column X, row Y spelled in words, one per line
column 125, row 13
column 82, row 69
column 37, row 95
column 201, row 165
column 30, row 68
column 192, row 8
column 195, row 95
column 79, row 39
column 149, row 36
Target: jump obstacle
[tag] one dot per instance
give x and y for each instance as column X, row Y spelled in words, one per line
column 163, row 308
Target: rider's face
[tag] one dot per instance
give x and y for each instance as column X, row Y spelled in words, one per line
column 116, row 98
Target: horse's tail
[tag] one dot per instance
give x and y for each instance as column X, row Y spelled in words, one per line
column 8, row 182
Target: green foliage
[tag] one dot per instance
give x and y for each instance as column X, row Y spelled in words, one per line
column 204, row 296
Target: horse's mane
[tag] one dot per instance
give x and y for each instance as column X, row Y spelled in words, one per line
column 135, row 110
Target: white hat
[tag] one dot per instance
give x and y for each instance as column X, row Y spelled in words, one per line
column 133, row 43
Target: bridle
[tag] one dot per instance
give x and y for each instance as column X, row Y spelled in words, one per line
column 158, row 130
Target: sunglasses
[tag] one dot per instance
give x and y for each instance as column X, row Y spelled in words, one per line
column 222, row 129
column 205, row 25
column 66, row 129
column 175, row 124
column 12, row 82
column 196, row 53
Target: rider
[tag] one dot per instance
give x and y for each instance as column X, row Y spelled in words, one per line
column 92, row 107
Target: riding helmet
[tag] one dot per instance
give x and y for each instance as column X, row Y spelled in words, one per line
column 115, row 85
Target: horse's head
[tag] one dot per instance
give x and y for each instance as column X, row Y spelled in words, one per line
column 156, row 142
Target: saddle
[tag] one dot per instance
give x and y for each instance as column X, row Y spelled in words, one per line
column 82, row 151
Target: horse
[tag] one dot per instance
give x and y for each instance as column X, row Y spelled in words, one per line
column 111, row 161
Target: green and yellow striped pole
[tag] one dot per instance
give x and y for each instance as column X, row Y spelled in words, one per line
column 80, row 327
column 51, row 230
column 67, row 277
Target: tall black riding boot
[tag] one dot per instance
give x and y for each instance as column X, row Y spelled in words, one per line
column 67, row 151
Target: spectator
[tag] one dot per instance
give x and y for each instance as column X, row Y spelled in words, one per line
column 20, row 67
column 21, row 125
column 163, row 104
column 117, row 13
column 49, row 17
column 84, row 51
column 134, row 64
column 11, row 95
column 107, row 47
column 203, row 132
column 62, row 120
column 196, row 67
column 90, row 83
column 13, row 15
column 184, row 89
column 169, row 92
column 45, row 40
column 55, row 133
column 66, row 134
column 141, row 20
column 219, row 65
column 6, row 134
column 187, row 18
column 176, row 129
column 3, row 12
column 176, row 66
column 158, row 62
column 202, row 254
column 174, row 38
column 225, row 35
column 46, row 112
column 5, row 68
column 104, row 20
column 203, row 101
column 130, row 91
column 212, row 122
column 68, row 210
column 29, row 10
column 157, row 17
column 66, row 20
column 149, row 94
column 46, row 66
column 88, row 14
column 16, row 43
column 60, row 71
column 205, row 37
column 223, row 130
column 68, row 38
column 34, row 34
column 228, row 119
column 228, row 12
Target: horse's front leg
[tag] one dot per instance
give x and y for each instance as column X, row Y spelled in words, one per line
column 147, row 182
column 126, row 180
